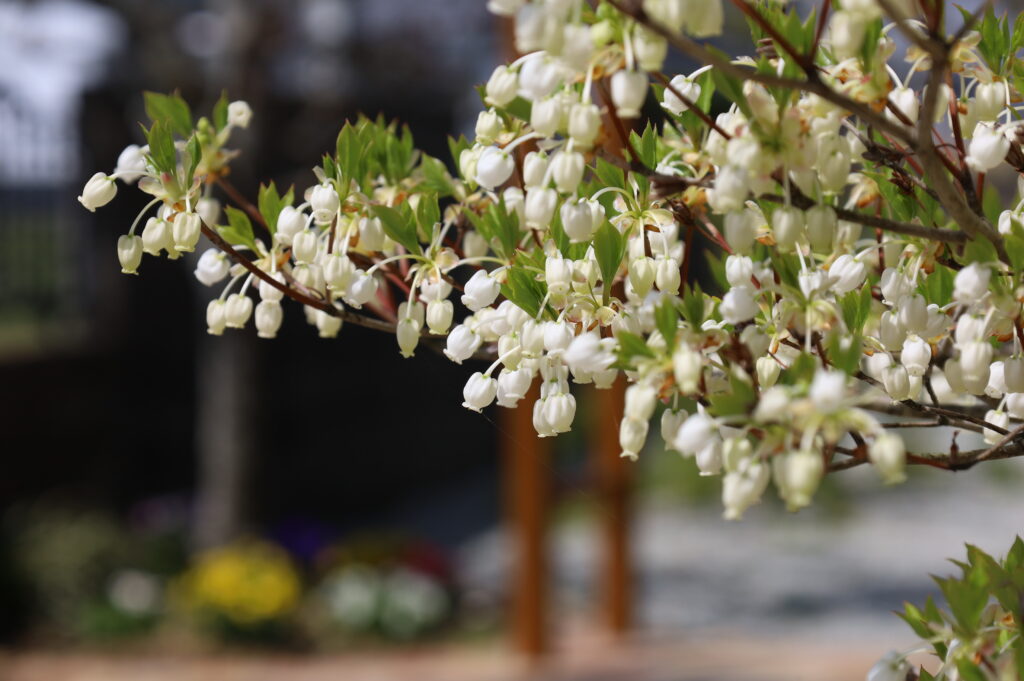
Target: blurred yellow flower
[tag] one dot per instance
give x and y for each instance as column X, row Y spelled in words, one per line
column 248, row 582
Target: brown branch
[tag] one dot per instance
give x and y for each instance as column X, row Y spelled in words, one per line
column 244, row 203
column 814, row 85
column 298, row 296
column 692, row 106
column 907, row 228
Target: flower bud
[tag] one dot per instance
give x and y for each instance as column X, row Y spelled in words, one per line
column 846, row 33
column 640, row 401
column 212, row 267
column 289, row 223
column 237, row 310
column 705, row 19
column 325, row 203
column 740, row 231
column 185, row 230
column 239, row 114
column 1013, row 374
column 696, row 433
column 667, row 276
column 989, row 100
column 513, row 385
column 269, row 316
column 687, row 367
column 821, row 227
column 768, row 370
column 738, row 305
column 999, row 419
column 896, row 381
column 732, row 185
column 905, row 100
column 846, row 274
column 461, row 344
column 479, row 392
column 548, row 116
column 540, row 207
column 559, row 411
column 913, row 313
column 584, row 124
column 407, row 334
column 684, row 86
column 887, row 453
column 494, row 168
column 488, row 126
column 988, row 148
column 788, row 225
column 567, row 171
column 502, row 86
column 338, row 271
column 439, row 316
column 632, row 436
column 327, row 325
column 641, row 275
column 671, row 422
column 1015, row 405
column 129, row 253
column 99, row 191
column 480, row 291
column 305, row 246
column 797, row 476
column 743, row 487
column 215, row 321
column 156, row 236
column 577, row 220
column 975, row 361
column 131, row 164
column 361, row 289
column 629, row 89
column 971, row 283
column 371, row 234
column 916, row 355
column 535, row 169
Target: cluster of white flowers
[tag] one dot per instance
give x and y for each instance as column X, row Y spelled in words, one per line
column 849, row 281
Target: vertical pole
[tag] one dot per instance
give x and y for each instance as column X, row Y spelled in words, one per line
column 526, row 502
column 614, row 477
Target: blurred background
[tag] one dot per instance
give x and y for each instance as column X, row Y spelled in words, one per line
column 239, row 508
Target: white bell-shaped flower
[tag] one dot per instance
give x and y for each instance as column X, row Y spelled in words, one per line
column 269, row 315
column 99, row 191
column 129, row 253
column 237, row 310
column 212, row 267
column 185, row 230
column 629, row 90
column 494, row 167
column 479, row 392
column 215, row 320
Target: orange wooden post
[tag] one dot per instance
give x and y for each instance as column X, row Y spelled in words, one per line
column 527, row 492
column 613, row 476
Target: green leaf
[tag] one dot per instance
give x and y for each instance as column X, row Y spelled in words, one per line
column 646, row 146
column 428, row 213
column 693, row 306
column 730, row 86
column 171, row 109
column 161, row 147
column 844, row 352
column 916, row 620
column 632, row 345
column 666, row 319
column 610, row 176
column 937, row 287
column 1015, row 249
column 238, row 231
column 270, row 204
column 739, row 400
column 399, row 228
column 970, row 671
column 980, row 250
column 436, row 177
column 523, row 289
column 609, row 248
column 220, row 111
column 456, row 147
column 195, row 154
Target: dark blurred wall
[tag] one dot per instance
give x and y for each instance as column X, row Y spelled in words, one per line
column 344, row 431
